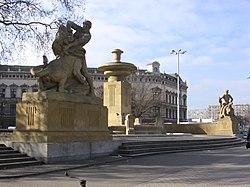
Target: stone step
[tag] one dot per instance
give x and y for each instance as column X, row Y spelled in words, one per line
column 8, row 151
column 174, row 151
column 140, row 148
column 163, row 149
column 12, row 155
column 5, row 148
column 16, row 159
column 138, row 129
column 170, row 143
column 117, row 129
column 19, row 164
column 10, row 158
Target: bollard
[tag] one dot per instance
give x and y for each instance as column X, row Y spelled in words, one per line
column 83, row 183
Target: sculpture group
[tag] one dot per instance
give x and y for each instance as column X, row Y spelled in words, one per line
column 226, row 102
column 68, row 72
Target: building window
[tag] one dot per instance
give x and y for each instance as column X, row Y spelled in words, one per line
column 2, row 109
column 13, row 93
column 2, row 92
column 156, row 110
column 24, row 90
column 13, row 109
column 34, row 88
column 185, row 100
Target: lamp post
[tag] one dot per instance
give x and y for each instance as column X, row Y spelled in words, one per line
column 178, row 81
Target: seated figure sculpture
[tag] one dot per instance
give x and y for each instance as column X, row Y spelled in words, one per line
column 68, row 72
column 226, row 102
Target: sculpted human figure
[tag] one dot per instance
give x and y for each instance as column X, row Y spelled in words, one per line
column 226, row 102
column 81, row 37
column 70, row 63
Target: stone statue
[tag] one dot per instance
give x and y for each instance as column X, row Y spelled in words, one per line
column 129, row 124
column 226, row 102
column 68, row 72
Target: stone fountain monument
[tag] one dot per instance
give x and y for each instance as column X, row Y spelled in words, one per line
column 227, row 123
column 64, row 120
column 117, row 91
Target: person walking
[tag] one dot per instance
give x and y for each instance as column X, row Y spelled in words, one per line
column 248, row 139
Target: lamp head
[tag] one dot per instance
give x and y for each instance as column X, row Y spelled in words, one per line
column 172, row 51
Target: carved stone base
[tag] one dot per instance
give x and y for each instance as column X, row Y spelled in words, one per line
column 60, row 117
column 227, row 126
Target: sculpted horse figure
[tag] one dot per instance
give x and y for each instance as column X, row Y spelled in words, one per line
column 57, row 73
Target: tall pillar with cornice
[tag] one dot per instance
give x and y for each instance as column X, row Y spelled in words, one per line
column 117, row 91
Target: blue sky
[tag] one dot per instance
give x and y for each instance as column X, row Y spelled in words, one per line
column 216, row 34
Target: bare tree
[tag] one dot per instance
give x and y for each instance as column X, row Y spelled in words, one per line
column 145, row 98
column 244, row 120
column 33, row 22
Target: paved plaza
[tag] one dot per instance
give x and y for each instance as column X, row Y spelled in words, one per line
column 225, row 167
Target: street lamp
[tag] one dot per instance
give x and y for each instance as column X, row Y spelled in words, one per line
column 178, row 81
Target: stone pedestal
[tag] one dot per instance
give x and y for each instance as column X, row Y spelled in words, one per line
column 60, row 117
column 55, row 126
column 117, row 98
column 227, row 126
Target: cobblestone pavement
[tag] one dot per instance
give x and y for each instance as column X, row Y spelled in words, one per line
column 220, row 168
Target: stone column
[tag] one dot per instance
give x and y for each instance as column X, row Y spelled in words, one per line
column 117, row 91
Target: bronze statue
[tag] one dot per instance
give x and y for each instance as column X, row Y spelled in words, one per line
column 226, row 102
column 69, row 70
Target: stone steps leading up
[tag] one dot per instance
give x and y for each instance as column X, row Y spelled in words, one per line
column 12, row 155
column 143, row 148
column 19, row 164
column 10, row 158
column 138, row 129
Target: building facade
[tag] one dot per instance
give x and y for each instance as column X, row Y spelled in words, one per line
column 14, row 81
column 160, row 89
